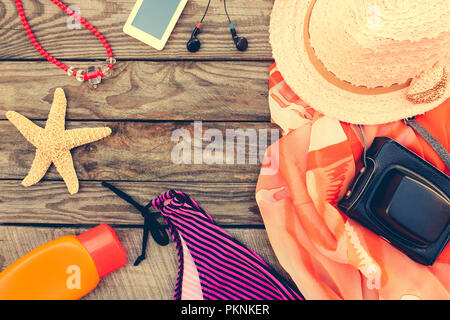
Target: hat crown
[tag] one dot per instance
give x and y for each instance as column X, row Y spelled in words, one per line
column 375, row 43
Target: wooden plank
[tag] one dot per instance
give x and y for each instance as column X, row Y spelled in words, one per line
column 153, row 279
column 227, row 91
column 49, row 24
column 140, row 151
column 49, row 202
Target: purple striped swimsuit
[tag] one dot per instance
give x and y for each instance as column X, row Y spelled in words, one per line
column 212, row 265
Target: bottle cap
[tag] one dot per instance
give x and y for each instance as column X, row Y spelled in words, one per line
column 105, row 249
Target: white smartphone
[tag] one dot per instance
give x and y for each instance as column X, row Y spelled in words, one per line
column 152, row 21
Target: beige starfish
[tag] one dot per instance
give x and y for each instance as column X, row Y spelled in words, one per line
column 54, row 142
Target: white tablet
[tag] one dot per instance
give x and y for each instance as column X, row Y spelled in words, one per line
column 152, row 21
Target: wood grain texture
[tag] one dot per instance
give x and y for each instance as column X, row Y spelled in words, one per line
column 148, row 96
column 173, row 90
column 49, row 202
column 49, row 24
column 153, row 279
column 137, row 151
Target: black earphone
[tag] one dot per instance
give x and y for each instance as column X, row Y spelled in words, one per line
column 241, row 43
column 194, row 44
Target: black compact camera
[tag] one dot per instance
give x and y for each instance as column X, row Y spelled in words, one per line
column 402, row 198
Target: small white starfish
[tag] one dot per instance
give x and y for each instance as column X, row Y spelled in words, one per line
column 53, row 143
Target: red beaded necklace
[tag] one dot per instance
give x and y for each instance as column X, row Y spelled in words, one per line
column 80, row 75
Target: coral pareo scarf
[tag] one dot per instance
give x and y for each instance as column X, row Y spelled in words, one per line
column 328, row 255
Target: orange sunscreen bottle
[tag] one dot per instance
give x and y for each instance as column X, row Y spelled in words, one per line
column 67, row 268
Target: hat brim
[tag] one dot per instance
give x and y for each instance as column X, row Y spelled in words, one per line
column 290, row 54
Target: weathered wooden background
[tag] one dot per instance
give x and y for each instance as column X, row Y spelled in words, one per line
column 150, row 94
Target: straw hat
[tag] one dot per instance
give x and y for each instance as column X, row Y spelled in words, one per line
column 364, row 61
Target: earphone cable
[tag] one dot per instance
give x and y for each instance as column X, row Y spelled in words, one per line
column 226, row 11
column 206, row 11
